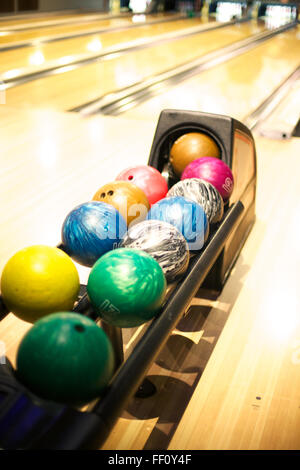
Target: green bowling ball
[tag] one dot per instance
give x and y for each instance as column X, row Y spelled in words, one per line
column 65, row 357
column 126, row 287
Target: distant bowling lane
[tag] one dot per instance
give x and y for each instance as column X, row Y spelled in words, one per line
column 234, row 88
column 9, row 36
column 43, row 20
column 73, row 88
column 37, row 56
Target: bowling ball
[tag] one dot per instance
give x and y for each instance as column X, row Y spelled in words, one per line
column 126, row 287
column 148, row 179
column 90, row 230
column 190, row 146
column 65, row 357
column 204, row 194
column 186, row 215
column 213, row 170
column 127, row 198
column 162, row 241
column 39, row 280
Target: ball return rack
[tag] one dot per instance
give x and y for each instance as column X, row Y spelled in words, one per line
column 29, row 422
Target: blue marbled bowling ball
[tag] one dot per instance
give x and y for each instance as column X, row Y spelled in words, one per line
column 186, row 215
column 90, row 230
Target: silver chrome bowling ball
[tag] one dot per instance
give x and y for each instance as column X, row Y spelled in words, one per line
column 202, row 192
column 162, row 241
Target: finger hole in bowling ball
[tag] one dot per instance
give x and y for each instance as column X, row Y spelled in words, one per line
column 110, row 193
column 103, row 195
column 79, row 328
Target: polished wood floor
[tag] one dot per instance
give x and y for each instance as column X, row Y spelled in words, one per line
column 54, row 18
column 18, row 33
column 236, row 87
column 33, row 58
column 228, row 377
column 116, row 72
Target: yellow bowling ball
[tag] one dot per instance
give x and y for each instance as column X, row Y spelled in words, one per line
column 39, row 280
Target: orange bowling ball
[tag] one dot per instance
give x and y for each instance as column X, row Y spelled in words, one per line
column 127, row 198
column 190, row 146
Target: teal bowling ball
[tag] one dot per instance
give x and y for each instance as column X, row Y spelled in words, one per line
column 65, row 357
column 126, row 287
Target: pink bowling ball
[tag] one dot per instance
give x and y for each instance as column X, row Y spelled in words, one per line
column 147, row 178
column 213, row 170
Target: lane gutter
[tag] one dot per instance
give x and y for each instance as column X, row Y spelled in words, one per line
column 115, row 103
column 57, row 67
column 64, row 37
column 257, row 117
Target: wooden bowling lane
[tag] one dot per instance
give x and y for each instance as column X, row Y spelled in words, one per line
column 47, row 19
column 236, row 87
column 9, row 36
column 40, row 56
column 248, row 395
column 50, row 19
column 60, row 91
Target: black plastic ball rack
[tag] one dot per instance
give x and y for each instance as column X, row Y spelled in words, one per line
column 27, row 421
